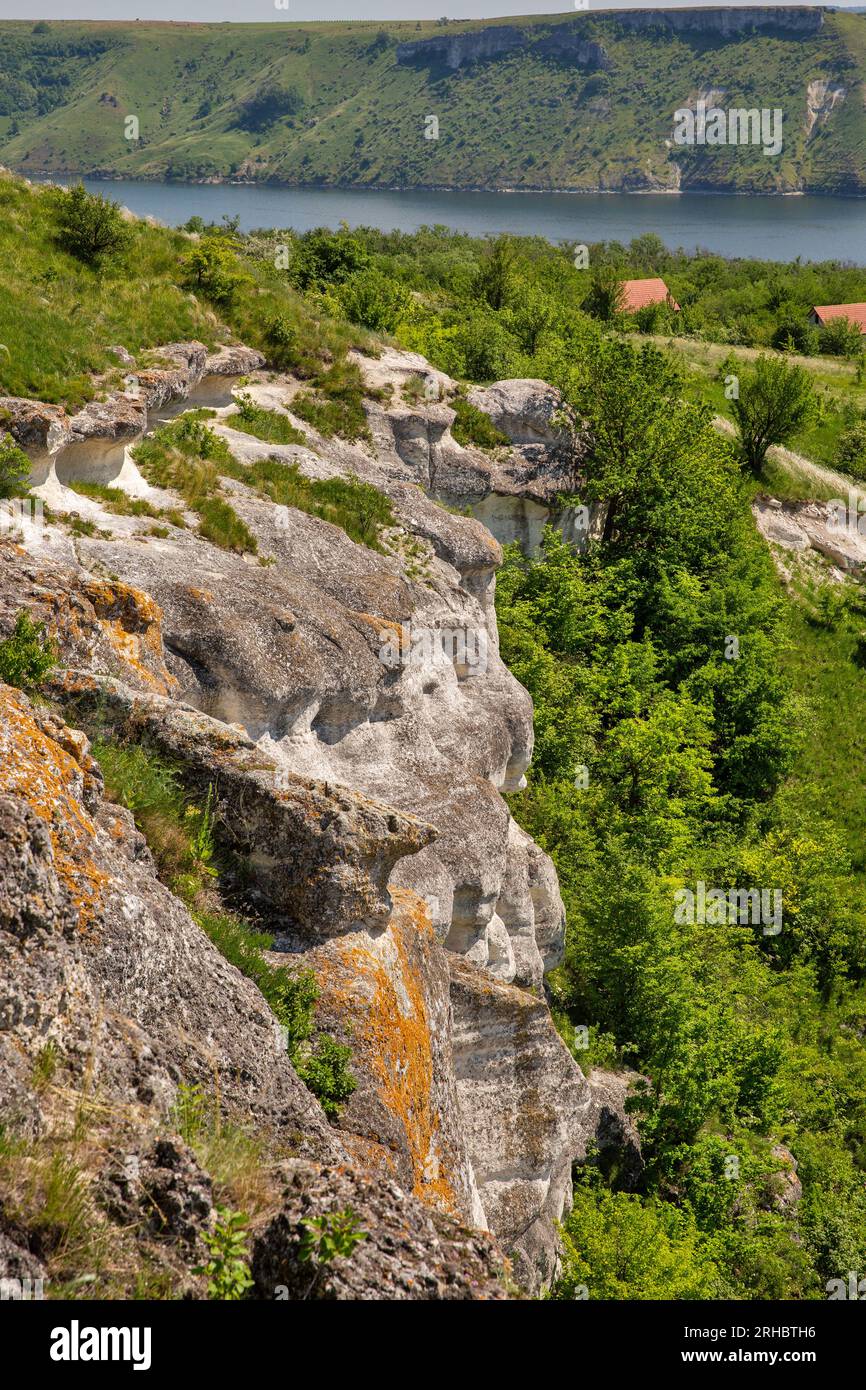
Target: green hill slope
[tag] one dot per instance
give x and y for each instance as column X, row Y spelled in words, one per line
column 583, row 101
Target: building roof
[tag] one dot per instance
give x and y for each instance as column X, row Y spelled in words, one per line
column 636, row 294
column 856, row 313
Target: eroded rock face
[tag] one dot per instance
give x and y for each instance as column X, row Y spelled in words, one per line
column 322, row 854
column 567, row 42
column 89, row 445
column 527, row 1112
column 412, row 436
column 728, row 21
column 408, row 1251
column 97, row 624
column 830, row 529
column 100, row 959
column 361, row 783
column 387, row 996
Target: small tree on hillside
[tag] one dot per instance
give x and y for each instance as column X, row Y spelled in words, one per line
column 91, row 227
column 495, row 276
column 775, row 401
column 604, row 299
column 840, row 338
column 211, row 269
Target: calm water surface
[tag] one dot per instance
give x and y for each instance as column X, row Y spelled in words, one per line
column 768, row 228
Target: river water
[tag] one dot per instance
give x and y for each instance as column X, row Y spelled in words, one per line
column 768, row 228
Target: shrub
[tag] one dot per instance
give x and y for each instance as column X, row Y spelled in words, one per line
column 840, row 338
column 26, row 656
column 654, row 318
column 281, row 336
column 618, row 1246
column 211, row 269
column 375, row 301
column 795, row 335
column 851, row 451
column 270, row 104
column 325, row 1071
column 14, row 467
column 339, row 406
column 264, row 424
column 604, row 298
column 227, row 1269
column 330, row 1236
column 484, row 346
column 326, row 258
column 91, row 226
column 472, row 426
column 775, row 401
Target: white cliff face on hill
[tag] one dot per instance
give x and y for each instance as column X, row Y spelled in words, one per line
column 354, row 714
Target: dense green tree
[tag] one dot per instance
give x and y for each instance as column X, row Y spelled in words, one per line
column 91, row 227
column 775, row 400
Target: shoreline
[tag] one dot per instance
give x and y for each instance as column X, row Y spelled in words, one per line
column 48, row 175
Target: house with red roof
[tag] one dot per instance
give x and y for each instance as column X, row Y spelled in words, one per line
column 855, row 313
column 637, row 294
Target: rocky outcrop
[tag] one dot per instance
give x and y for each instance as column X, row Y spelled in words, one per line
column 834, row 530
column 322, row 854
column 348, row 708
column 797, row 21
column 822, row 98
column 89, row 445
column 387, row 996
column 567, row 42
column 102, row 963
column 100, row 960
column 412, row 436
column 527, row 1112
column 98, row 624
column 406, row 1250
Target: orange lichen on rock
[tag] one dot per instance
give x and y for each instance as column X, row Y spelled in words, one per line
column 50, row 778
column 132, row 622
column 382, row 990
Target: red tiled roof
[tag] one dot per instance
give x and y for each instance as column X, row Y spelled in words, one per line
column 856, row 313
column 636, row 294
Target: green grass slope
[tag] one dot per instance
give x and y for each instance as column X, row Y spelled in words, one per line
column 59, row 318
column 352, row 109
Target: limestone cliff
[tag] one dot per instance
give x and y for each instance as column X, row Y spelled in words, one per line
column 359, row 786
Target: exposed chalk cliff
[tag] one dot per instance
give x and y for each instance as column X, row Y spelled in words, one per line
column 728, row 22
column 567, row 42
column 360, row 787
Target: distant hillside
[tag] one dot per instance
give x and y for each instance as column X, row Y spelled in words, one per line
column 575, row 101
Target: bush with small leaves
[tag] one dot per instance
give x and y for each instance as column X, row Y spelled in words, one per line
column 91, row 226
column 26, row 656
column 14, row 467
column 227, row 1269
column 851, row 451
column 328, row 1237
